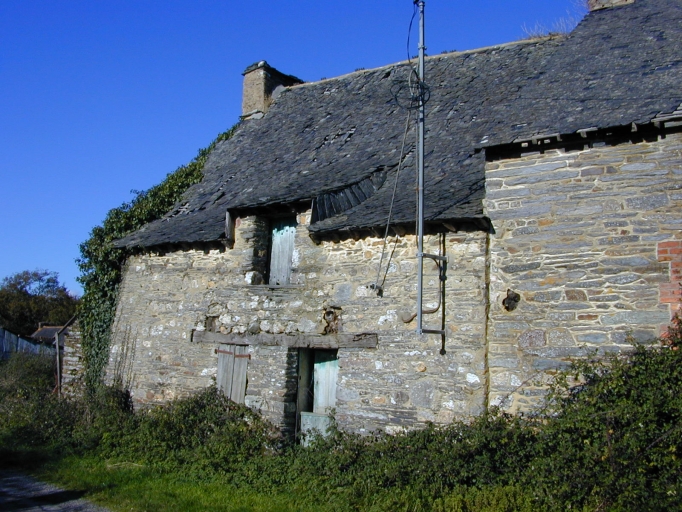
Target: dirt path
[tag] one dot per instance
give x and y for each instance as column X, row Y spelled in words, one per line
column 19, row 492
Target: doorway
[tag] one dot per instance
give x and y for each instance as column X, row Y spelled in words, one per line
column 318, row 371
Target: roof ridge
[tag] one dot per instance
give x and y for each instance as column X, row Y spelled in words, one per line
column 433, row 57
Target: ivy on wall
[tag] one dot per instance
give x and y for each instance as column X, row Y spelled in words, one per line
column 101, row 264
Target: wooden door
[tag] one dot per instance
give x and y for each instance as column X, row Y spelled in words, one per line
column 325, row 372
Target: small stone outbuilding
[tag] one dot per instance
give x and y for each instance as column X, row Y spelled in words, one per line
column 70, row 372
column 553, row 188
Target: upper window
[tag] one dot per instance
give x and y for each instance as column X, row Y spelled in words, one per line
column 282, row 236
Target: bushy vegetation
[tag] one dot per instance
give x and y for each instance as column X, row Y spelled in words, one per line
column 101, row 264
column 30, row 297
column 609, row 438
column 37, row 425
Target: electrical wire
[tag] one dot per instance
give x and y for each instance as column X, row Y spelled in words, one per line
column 409, row 30
column 396, row 88
column 376, row 286
column 417, row 88
column 388, row 263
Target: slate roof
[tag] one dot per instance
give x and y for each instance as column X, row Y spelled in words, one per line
column 621, row 65
column 339, row 140
column 46, row 333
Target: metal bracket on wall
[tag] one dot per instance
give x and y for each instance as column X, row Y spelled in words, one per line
column 442, row 263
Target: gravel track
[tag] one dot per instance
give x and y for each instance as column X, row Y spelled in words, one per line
column 19, row 492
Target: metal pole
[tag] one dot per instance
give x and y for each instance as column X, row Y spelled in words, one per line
column 420, row 186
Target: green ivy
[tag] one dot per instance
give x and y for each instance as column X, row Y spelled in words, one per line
column 101, row 264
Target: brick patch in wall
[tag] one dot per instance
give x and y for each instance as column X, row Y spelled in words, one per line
column 671, row 252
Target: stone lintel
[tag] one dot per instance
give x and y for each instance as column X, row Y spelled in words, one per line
column 299, row 340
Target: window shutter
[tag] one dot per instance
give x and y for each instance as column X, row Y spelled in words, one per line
column 241, row 358
column 231, row 378
column 282, row 251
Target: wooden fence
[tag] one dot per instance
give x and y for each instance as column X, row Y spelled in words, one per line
column 10, row 343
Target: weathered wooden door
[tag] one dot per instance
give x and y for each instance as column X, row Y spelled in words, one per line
column 282, row 250
column 325, row 372
column 314, row 414
column 232, row 364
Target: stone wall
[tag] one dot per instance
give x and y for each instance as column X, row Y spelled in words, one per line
column 587, row 239
column 586, row 256
column 403, row 382
column 72, row 361
column 255, row 97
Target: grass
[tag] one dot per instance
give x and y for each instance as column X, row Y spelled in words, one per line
column 131, row 487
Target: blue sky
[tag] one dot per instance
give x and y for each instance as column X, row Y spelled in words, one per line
column 101, row 98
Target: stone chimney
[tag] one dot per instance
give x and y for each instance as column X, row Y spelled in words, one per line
column 596, row 5
column 262, row 84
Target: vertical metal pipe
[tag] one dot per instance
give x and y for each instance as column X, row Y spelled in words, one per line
column 420, row 185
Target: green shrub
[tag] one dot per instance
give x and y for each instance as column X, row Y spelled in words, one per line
column 491, row 450
column 27, row 405
column 26, row 375
column 609, row 439
column 31, row 416
column 205, row 432
column 33, row 419
column 615, row 439
column 487, row 499
column 99, row 414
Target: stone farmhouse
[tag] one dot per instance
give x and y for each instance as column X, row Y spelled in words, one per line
column 553, row 188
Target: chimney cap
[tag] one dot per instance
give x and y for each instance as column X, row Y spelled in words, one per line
column 255, row 66
column 286, row 80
